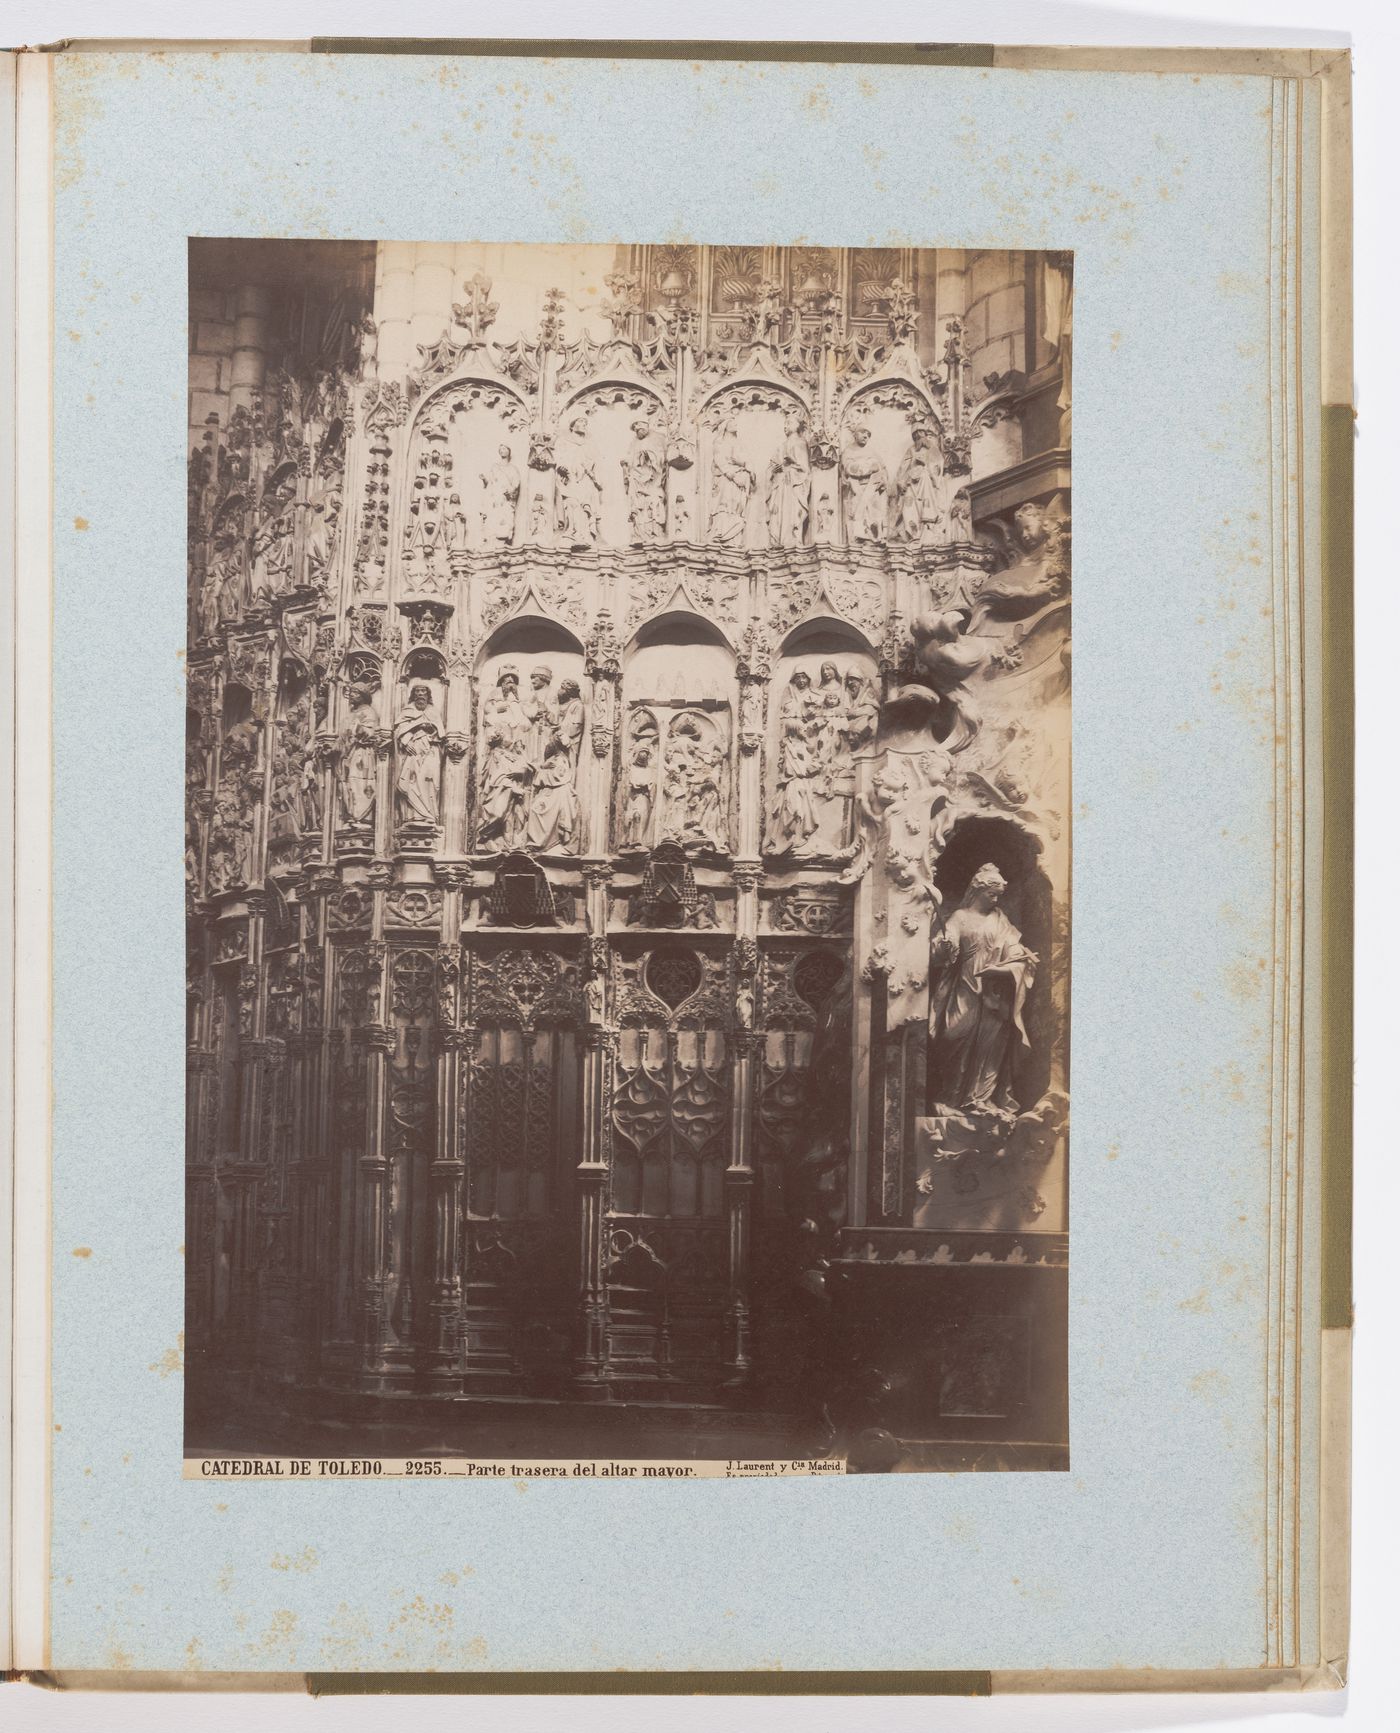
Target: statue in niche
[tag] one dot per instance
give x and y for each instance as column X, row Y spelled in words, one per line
column 553, row 820
column 732, row 488
column 644, row 477
column 960, row 516
column 640, row 793
column 505, row 769
column 595, row 1001
column 693, row 786
column 502, row 486
column 862, row 712
column 579, row 491
column 917, row 512
column 539, row 712
column 823, row 730
column 794, row 818
column 272, row 554
column 206, row 612
column 228, row 570
column 866, row 488
column 418, row 742
column 455, row 534
column 505, row 779
column 368, row 334
column 979, row 976
column 231, row 839
column 790, row 486
column 539, row 516
column 318, row 538
column 423, row 536
column 308, row 807
column 230, row 843
column 289, row 765
column 357, row 756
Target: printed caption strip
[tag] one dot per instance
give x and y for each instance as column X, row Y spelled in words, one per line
column 464, row 1468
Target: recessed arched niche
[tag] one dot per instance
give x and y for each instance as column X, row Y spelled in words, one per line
column 467, row 465
column 295, row 802
column 975, row 842
column 614, row 435
column 532, row 700
column 757, row 462
column 678, row 688
column 823, row 715
column 878, row 428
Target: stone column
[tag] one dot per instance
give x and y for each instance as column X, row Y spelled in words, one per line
column 393, row 308
column 372, row 1206
column 603, row 666
column 755, row 667
column 383, row 780
column 446, row 1181
column 249, row 361
column 745, row 1040
column 591, row 1350
column 456, row 755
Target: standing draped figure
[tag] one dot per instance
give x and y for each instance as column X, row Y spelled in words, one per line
column 979, row 976
column 357, row 752
column 553, row 821
column 644, row 476
column 418, row 741
column 790, row 486
column 732, row 487
column 576, row 502
column 866, row 487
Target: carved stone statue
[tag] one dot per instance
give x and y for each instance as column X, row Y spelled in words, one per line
column 418, row 743
column 290, row 764
column 422, row 539
column 918, row 513
column 946, row 656
column 790, row 486
column 208, row 601
column 357, row 752
column 318, row 536
column 731, row 490
column 980, row 974
column 644, row 476
column 866, row 489
column 505, row 769
column 595, row 1001
column 694, row 786
column 455, row 534
column 576, row 502
column 229, row 570
column 502, row 487
column 553, row 820
column 794, row 818
column 640, row 794
column 272, row 554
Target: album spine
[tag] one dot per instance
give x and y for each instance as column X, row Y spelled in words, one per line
column 26, row 225
column 1336, row 796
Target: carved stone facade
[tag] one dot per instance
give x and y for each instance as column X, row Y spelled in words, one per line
column 627, row 841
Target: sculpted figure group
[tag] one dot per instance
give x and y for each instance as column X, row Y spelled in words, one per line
column 823, row 730
column 760, row 496
column 674, row 785
column 527, row 793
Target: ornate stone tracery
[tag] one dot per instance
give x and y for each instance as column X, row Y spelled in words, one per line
column 608, row 719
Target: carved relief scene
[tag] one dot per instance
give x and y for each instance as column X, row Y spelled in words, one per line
column 627, row 840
